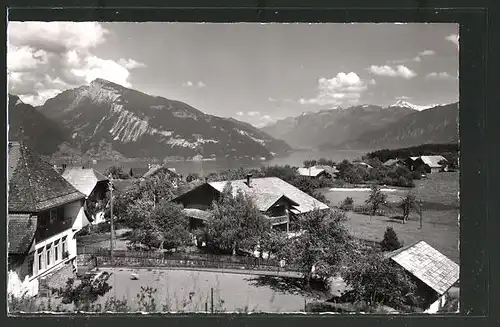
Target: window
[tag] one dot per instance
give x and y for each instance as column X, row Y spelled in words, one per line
column 40, row 259
column 53, row 215
column 63, row 245
column 49, row 254
column 56, row 251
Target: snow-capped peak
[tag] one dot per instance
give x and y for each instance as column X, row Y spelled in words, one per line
column 406, row 104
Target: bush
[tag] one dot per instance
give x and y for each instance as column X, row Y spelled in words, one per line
column 390, row 241
column 347, row 204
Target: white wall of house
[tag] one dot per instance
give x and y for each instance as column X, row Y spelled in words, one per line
column 437, row 305
column 19, row 288
column 75, row 211
column 49, row 253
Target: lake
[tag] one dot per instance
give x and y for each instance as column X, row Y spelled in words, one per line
column 204, row 168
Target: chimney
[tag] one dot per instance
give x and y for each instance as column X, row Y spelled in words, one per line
column 249, row 177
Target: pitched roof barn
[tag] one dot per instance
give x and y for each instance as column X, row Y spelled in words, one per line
column 428, row 265
column 433, row 161
column 310, row 172
column 84, row 180
column 267, row 189
column 33, row 184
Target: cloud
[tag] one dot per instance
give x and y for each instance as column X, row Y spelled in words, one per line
column 271, row 99
column 198, row 84
column 403, row 97
column 338, row 90
column 253, row 113
column 239, row 113
column 453, row 38
column 440, row 75
column 427, row 53
column 46, row 58
column 131, row 63
column 399, row 71
column 417, row 59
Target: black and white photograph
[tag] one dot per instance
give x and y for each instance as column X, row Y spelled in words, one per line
column 221, row 168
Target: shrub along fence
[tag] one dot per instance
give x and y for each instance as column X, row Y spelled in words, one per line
column 101, row 257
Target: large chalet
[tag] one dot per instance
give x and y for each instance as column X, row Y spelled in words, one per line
column 274, row 197
column 44, row 213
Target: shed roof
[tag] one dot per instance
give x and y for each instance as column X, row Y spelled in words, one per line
column 428, row 265
column 273, row 188
column 21, row 232
column 33, row 184
column 84, row 180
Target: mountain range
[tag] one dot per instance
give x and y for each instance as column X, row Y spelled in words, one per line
column 369, row 127
column 105, row 119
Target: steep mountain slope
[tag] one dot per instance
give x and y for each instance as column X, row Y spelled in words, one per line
column 104, row 115
column 435, row 125
column 334, row 126
column 38, row 132
column 406, row 104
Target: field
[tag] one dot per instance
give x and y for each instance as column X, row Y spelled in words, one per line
column 440, row 204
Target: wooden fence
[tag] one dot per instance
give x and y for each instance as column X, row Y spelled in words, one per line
column 101, row 257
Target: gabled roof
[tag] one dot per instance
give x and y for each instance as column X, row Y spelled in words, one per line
column 159, row 168
column 391, row 162
column 311, row 172
column 33, row 184
column 84, row 180
column 432, row 161
column 428, row 265
column 273, row 188
column 21, row 232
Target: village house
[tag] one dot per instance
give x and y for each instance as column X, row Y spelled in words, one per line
column 93, row 185
column 274, row 197
column 169, row 173
column 430, row 164
column 394, row 162
column 433, row 272
column 318, row 171
column 44, row 214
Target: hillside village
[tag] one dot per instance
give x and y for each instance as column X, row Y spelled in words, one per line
column 271, row 220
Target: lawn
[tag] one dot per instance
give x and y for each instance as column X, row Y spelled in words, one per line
column 183, row 290
column 439, row 193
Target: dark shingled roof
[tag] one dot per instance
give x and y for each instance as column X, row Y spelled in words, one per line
column 34, row 185
column 21, row 231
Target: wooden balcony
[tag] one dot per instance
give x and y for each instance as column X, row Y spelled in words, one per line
column 278, row 220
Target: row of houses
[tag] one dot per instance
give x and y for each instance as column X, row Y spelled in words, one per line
column 429, row 164
column 46, row 210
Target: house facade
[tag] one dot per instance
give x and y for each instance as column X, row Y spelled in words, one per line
column 433, row 273
column 275, row 198
column 45, row 213
column 94, row 186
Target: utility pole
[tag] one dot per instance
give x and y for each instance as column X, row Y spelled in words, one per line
column 111, row 217
column 420, row 211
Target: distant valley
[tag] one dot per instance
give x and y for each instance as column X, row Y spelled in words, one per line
column 369, row 127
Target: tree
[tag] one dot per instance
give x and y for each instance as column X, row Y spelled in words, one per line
column 286, row 173
column 309, row 163
column 347, row 204
column 323, row 244
column 236, row 223
column 192, row 177
column 116, row 172
column 378, row 280
column 390, row 241
column 376, row 199
column 84, row 294
column 162, row 226
column 273, row 242
column 407, row 205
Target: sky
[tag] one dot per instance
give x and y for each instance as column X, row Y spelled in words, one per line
column 254, row 72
